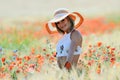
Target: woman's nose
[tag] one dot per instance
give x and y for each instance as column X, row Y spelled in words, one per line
column 60, row 23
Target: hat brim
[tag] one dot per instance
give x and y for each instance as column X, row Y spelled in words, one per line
column 51, row 27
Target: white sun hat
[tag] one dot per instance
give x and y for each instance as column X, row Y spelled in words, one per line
column 59, row 15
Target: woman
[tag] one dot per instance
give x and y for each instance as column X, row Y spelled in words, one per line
column 69, row 46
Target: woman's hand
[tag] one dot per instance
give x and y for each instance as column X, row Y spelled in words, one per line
column 67, row 65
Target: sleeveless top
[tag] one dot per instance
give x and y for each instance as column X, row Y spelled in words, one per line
column 63, row 46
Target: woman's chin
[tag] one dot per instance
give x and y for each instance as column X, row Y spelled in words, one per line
column 65, row 29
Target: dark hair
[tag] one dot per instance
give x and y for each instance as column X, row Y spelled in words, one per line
column 71, row 27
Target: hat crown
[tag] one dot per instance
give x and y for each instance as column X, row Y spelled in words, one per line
column 61, row 11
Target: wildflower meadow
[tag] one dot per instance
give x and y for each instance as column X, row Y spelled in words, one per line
column 28, row 52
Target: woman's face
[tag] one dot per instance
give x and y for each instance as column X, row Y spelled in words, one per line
column 64, row 25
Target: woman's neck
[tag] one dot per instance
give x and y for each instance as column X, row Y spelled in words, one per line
column 67, row 32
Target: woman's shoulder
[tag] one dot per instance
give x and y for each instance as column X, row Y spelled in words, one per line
column 75, row 35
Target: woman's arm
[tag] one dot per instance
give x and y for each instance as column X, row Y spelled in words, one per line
column 76, row 40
